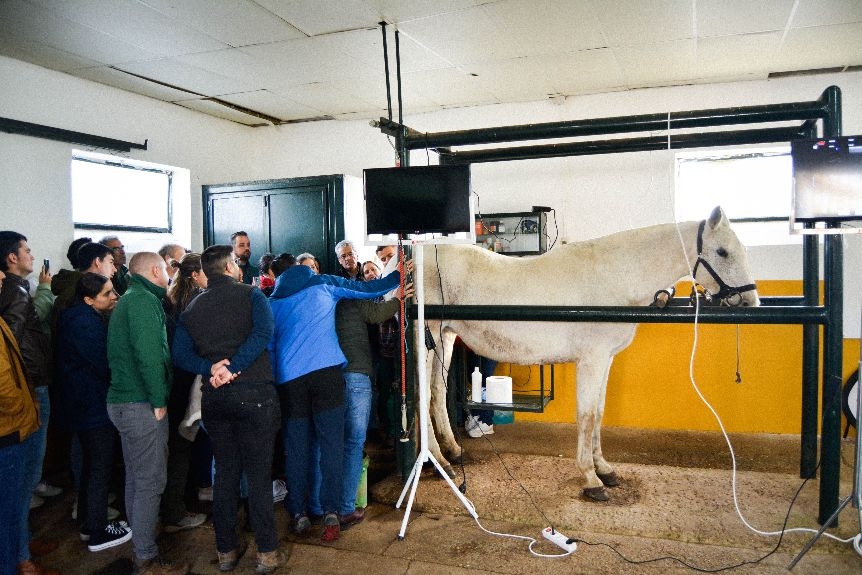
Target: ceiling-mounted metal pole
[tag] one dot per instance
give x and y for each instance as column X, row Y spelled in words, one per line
column 618, row 145
column 398, row 74
column 625, row 124
column 386, row 70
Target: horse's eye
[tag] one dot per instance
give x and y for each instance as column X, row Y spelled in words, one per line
column 722, row 253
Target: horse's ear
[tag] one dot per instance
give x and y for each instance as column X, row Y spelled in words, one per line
column 717, row 217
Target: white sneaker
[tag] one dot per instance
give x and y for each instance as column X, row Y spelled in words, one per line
column 476, row 428
column 45, row 490
column 279, row 490
column 189, row 521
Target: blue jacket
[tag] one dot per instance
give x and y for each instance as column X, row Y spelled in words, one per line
column 303, row 306
column 83, row 375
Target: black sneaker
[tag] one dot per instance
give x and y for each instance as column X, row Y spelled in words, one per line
column 115, row 533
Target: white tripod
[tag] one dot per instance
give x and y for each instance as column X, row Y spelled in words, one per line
column 424, row 407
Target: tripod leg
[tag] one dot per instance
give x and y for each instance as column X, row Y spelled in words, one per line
column 820, row 532
column 415, row 474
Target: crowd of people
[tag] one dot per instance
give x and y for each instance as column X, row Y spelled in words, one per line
column 273, row 365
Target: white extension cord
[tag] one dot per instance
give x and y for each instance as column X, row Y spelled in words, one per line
column 856, row 540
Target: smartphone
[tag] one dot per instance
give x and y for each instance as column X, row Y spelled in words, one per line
column 46, row 265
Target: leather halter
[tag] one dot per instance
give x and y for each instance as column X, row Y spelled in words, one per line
column 725, row 291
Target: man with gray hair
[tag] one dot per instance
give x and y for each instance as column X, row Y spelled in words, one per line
column 349, row 260
column 141, row 372
column 172, row 253
column 121, row 278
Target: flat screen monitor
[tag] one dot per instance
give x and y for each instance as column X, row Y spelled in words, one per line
column 418, row 200
column 827, row 179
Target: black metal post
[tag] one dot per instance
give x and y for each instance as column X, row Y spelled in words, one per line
column 810, row 360
column 833, row 339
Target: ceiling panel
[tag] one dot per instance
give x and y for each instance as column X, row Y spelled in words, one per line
column 272, row 105
column 825, row 12
column 136, row 24
column 630, row 22
column 180, row 75
column 219, row 111
column 726, row 55
column 234, row 22
column 22, row 19
column 313, row 17
column 821, row 47
column 733, row 17
column 657, row 64
column 123, row 81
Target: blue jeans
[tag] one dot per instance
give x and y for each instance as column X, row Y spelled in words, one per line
column 313, row 409
column 12, row 480
column 33, row 454
column 145, row 451
column 357, row 413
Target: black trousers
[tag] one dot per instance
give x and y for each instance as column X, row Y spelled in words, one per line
column 242, row 421
column 97, row 447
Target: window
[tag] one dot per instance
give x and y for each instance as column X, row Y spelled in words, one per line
column 753, row 186
column 118, row 194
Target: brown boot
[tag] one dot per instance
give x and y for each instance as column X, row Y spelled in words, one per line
column 159, row 566
column 30, row 568
column 270, row 561
column 227, row 561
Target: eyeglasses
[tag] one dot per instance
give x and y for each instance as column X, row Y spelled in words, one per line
column 118, row 249
column 346, row 255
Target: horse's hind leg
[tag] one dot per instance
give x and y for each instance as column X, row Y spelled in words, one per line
column 592, row 378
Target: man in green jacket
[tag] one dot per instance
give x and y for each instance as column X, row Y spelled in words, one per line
column 141, row 372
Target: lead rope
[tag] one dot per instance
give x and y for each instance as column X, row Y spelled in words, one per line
column 738, row 376
column 405, row 436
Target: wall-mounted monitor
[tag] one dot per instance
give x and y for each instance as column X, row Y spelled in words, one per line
column 419, row 200
column 827, row 184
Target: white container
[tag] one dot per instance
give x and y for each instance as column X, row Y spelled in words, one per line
column 476, row 385
column 498, row 389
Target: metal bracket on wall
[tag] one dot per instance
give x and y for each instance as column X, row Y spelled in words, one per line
column 46, row 132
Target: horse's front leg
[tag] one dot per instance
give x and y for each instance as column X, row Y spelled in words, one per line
column 592, row 377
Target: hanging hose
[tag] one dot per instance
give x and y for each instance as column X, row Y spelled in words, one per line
column 405, row 434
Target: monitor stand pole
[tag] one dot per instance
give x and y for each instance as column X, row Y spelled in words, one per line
column 856, row 496
column 424, row 406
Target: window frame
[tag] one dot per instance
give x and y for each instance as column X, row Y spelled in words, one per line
column 127, row 228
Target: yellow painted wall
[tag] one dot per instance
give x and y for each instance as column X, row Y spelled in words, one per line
column 649, row 384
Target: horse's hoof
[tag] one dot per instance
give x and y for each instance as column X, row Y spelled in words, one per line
column 596, row 493
column 609, row 479
column 449, row 471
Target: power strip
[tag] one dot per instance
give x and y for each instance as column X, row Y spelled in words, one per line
column 566, row 544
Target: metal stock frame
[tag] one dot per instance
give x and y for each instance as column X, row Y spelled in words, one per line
column 802, row 310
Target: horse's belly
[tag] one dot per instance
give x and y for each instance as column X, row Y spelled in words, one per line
column 533, row 343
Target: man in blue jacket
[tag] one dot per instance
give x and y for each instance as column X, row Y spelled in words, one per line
column 308, row 362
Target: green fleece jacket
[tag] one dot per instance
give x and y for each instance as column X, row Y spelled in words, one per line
column 138, row 354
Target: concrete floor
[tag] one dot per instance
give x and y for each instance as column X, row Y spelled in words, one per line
column 675, row 500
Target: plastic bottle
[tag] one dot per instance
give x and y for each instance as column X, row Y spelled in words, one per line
column 476, row 387
column 362, row 489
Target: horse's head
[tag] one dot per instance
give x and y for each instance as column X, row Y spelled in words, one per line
column 722, row 263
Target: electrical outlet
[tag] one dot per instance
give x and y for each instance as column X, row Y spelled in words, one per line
column 566, row 544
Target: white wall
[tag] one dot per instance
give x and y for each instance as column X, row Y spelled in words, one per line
column 593, row 195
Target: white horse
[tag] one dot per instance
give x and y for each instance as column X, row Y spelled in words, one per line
column 623, row 269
